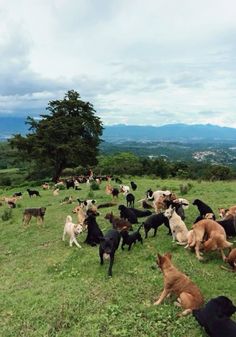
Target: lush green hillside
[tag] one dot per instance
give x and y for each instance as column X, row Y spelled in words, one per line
column 50, row 289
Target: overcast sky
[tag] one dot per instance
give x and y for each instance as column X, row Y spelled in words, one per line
column 137, row 61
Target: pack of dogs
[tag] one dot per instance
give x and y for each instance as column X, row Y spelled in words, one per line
column 206, row 234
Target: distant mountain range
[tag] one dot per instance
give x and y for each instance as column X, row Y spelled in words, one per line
column 122, row 133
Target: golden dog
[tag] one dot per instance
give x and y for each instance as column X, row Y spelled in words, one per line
column 189, row 296
column 213, row 235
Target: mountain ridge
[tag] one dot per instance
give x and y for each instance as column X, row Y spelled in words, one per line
column 139, row 133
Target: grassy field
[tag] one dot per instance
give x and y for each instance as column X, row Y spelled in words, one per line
column 50, row 289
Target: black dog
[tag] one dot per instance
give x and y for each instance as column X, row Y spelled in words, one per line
column 115, row 192
column 17, row 194
column 133, row 185
column 215, row 317
column 108, row 246
column 33, row 192
column 139, row 213
column 203, row 209
column 154, row 221
column 229, row 225
column 94, row 232
column 127, row 213
column 130, row 200
column 70, row 183
column 129, row 239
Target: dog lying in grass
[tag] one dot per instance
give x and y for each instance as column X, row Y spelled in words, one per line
column 215, row 317
column 129, row 239
column 189, row 296
column 72, row 230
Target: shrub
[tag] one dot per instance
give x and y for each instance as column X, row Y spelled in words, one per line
column 7, row 214
column 5, row 181
column 183, row 188
column 94, row 186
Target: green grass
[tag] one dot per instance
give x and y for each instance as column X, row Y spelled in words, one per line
column 50, row 289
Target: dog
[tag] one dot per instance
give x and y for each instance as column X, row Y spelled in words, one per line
column 133, row 185
column 81, row 215
column 189, row 296
column 33, row 193
column 212, row 234
column 129, row 239
column 130, row 200
column 215, row 317
column 17, row 194
column 154, row 221
column 203, row 209
column 127, row 213
column 109, row 243
column 227, row 212
column 178, row 228
column 118, row 223
column 37, row 212
column 231, row 259
column 139, row 213
column 229, row 225
column 94, row 233
column 87, row 204
column 72, row 230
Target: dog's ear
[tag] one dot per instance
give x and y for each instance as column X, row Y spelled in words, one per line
column 101, row 238
column 168, row 255
column 93, row 201
column 79, row 201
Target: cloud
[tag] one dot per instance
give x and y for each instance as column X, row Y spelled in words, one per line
column 139, row 62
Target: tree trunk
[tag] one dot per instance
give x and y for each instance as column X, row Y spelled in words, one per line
column 57, row 172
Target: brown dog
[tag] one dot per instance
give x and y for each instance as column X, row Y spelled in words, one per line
column 212, row 233
column 226, row 213
column 231, row 259
column 189, row 296
column 37, row 212
column 118, row 223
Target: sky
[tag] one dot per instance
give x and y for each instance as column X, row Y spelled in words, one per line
column 143, row 62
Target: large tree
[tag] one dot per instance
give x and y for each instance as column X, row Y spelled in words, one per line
column 66, row 137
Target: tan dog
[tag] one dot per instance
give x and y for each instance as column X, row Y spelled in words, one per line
column 231, row 259
column 81, row 215
column 178, row 228
column 212, row 233
column 226, row 213
column 72, row 230
column 189, row 296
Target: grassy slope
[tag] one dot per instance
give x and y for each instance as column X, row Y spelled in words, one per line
column 50, row 289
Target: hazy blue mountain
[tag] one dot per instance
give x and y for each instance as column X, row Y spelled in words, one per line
column 121, row 133
column 169, row 132
column 12, row 125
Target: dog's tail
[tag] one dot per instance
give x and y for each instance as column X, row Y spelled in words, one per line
column 140, row 227
column 107, row 204
column 68, row 218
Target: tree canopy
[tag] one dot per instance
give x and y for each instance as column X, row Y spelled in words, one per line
column 66, row 137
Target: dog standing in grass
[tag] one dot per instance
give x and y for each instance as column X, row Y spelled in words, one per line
column 72, row 230
column 37, row 212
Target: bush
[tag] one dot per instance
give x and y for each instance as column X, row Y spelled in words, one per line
column 94, row 186
column 7, row 214
column 5, row 181
column 183, row 188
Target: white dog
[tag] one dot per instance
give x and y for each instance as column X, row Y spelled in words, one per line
column 178, row 228
column 72, row 230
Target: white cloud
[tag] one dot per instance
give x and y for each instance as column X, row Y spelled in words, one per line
column 137, row 61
